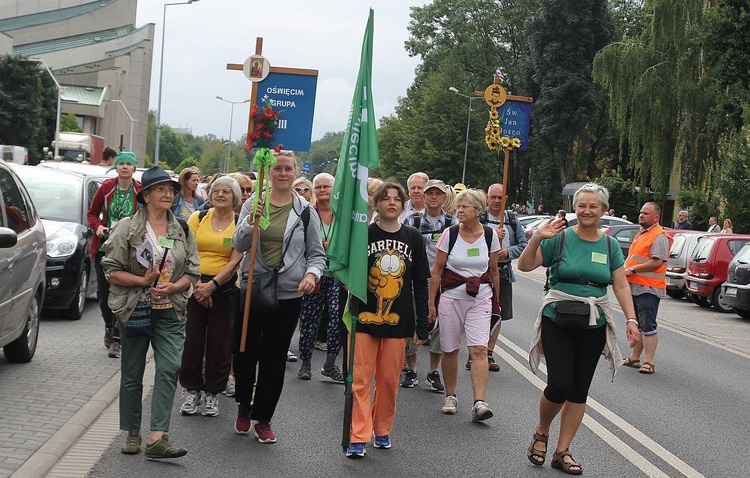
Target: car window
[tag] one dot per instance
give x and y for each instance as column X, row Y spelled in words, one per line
column 743, row 257
column 678, row 245
column 703, row 249
column 17, row 213
column 626, row 235
column 735, row 246
column 91, row 189
column 57, row 197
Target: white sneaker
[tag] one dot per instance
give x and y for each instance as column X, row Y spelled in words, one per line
column 193, row 400
column 211, row 408
column 449, row 407
column 231, row 387
column 480, row 411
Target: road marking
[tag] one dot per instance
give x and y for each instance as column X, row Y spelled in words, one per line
column 621, row 447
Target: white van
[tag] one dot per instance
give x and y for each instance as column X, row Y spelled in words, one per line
column 14, row 154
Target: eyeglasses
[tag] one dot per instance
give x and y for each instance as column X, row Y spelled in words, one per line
column 225, row 192
column 302, row 190
column 163, row 190
column 464, row 206
column 246, row 190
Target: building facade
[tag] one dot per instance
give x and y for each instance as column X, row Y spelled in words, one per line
column 97, row 54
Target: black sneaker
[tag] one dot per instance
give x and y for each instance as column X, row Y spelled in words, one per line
column 410, row 379
column 434, row 382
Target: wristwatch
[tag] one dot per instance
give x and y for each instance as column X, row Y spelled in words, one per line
column 632, row 269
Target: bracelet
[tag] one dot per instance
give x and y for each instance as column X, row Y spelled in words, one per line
column 215, row 283
column 631, row 320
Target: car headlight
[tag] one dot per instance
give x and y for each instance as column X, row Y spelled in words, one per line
column 62, row 245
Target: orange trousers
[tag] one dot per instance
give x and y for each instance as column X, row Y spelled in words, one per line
column 379, row 360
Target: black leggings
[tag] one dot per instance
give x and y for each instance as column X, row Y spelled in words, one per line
column 571, row 356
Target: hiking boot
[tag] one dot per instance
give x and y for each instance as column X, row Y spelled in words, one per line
column 243, row 423
column 193, row 400
column 480, row 411
column 410, row 379
column 290, row 357
column 493, row 366
column 383, row 442
column 468, row 363
column 211, row 408
column 263, row 432
column 450, row 407
column 132, row 444
column 356, row 450
column 161, row 448
column 333, row 372
column 434, row 382
column 305, row 372
column 114, row 350
column 230, row 390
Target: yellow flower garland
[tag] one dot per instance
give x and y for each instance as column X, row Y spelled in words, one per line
column 493, row 139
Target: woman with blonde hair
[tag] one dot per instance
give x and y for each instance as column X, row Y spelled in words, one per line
column 728, row 227
column 246, row 188
column 188, row 199
column 373, row 184
column 450, row 200
column 466, row 276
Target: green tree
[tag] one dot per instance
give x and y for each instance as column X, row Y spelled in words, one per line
column 324, row 153
column 564, row 37
column 28, row 105
column 172, row 148
column 69, row 123
column 186, row 163
column 213, row 158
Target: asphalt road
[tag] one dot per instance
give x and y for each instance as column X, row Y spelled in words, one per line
column 688, row 419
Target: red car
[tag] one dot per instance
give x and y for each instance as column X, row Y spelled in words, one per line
column 707, row 270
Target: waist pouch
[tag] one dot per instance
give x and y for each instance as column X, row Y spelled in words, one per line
column 572, row 314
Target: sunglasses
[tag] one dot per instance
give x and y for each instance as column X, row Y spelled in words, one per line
column 246, row 190
column 302, row 190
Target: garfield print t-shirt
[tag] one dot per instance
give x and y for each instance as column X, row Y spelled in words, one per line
column 396, row 283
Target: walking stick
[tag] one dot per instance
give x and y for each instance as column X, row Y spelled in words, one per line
column 251, row 269
column 348, row 395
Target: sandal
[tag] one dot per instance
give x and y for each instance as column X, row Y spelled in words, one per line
column 647, row 367
column 569, row 467
column 537, row 457
column 628, row 362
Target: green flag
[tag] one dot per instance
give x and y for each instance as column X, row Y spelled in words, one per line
column 347, row 249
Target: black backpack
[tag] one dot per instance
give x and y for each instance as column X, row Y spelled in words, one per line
column 416, row 221
column 453, row 237
column 512, row 220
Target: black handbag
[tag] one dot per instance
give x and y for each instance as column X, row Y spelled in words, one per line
column 572, row 314
column 264, row 299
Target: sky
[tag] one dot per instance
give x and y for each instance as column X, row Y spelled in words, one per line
column 202, row 37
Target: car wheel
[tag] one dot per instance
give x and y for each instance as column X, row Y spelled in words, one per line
column 718, row 300
column 700, row 300
column 675, row 294
column 744, row 313
column 79, row 303
column 23, row 348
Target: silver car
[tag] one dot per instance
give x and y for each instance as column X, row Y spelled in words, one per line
column 23, row 254
column 679, row 258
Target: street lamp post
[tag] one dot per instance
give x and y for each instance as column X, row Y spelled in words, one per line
column 59, row 104
column 231, row 118
column 455, row 91
column 161, row 77
column 130, row 142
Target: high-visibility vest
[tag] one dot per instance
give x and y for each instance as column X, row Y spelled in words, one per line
column 639, row 253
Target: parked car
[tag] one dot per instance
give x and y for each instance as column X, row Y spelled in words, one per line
column 23, row 249
column 623, row 234
column 63, row 198
column 90, row 169
column 572, row 221
column 680, row 253
column 708, row 267
column 526, row 220
column 737, row 286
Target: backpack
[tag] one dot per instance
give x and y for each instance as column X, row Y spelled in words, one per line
column 416, row 221
column 512, row 220
column 558, row 261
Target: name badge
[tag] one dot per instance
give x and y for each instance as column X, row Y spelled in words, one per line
column 112, row 224
column 598, row 257
column 472, row 252
column 227, row 242
column 436, row 237
column 264, row 222
column 166, row 242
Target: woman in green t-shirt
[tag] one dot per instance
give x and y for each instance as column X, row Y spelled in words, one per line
column 581, row 263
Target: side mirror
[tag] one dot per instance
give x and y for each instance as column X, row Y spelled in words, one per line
column 8, row 237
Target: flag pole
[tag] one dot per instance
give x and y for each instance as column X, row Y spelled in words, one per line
column 348, row 394
column 250, row 271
